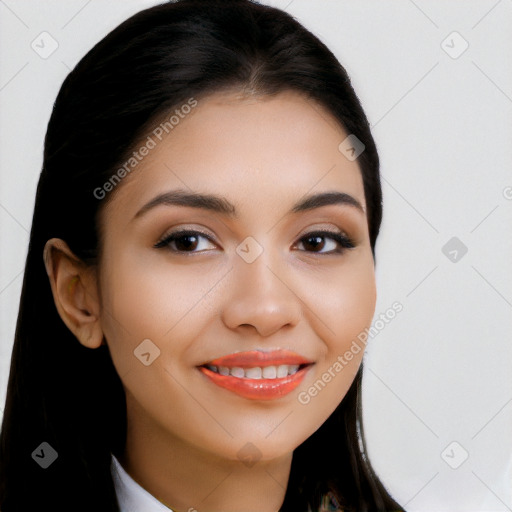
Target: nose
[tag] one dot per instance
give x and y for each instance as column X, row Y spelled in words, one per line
column 260, row 297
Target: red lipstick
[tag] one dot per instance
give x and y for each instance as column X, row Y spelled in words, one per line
column 287, row 368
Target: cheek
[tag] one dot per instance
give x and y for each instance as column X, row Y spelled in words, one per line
column 352, row 310
column 146, row 297
column 342, row 300
column 351, row 315
column 343, row 308
column 132, row 297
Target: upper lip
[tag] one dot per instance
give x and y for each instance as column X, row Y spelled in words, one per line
column 258, row 358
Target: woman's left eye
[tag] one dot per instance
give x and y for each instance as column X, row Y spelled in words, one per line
column 327, row 241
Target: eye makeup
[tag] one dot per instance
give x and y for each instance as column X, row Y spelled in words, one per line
column 175, row 238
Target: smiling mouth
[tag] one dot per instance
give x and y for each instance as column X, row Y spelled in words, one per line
column 257, row 375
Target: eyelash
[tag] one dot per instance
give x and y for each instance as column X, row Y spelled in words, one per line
column 343, row 241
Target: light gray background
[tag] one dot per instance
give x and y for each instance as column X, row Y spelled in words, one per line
column 440, row 372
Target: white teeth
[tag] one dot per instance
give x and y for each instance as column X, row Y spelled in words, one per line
column 237, row 372
column 223, row 370
column 269, row 372
column 254, row 373
column 282, row 371
column 266, row 372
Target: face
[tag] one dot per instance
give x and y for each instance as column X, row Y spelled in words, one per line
column 229, row 319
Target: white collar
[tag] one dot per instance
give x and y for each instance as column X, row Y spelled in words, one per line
column 131, row 496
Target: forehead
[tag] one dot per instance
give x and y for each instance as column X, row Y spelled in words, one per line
column 250, row 149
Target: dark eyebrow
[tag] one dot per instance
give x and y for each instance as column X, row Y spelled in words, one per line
column 191, row 199
column 221, row 205
column 325, row 199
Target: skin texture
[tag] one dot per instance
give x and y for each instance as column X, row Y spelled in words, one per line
column 184, row 433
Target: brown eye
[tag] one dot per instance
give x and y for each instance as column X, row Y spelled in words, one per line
column 318, row 241
column 314, row 243
column 184, row 241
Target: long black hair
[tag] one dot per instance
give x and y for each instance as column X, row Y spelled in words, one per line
column 70, row 396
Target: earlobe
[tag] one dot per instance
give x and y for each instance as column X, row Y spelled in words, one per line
column 75, row 292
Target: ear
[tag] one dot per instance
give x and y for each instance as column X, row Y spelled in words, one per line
column 75, row 292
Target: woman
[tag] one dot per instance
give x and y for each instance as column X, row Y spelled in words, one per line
column 200, row 266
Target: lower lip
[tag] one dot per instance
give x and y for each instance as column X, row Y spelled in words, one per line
column 257, row 389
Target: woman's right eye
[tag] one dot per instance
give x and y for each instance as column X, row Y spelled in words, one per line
column 185, row 241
